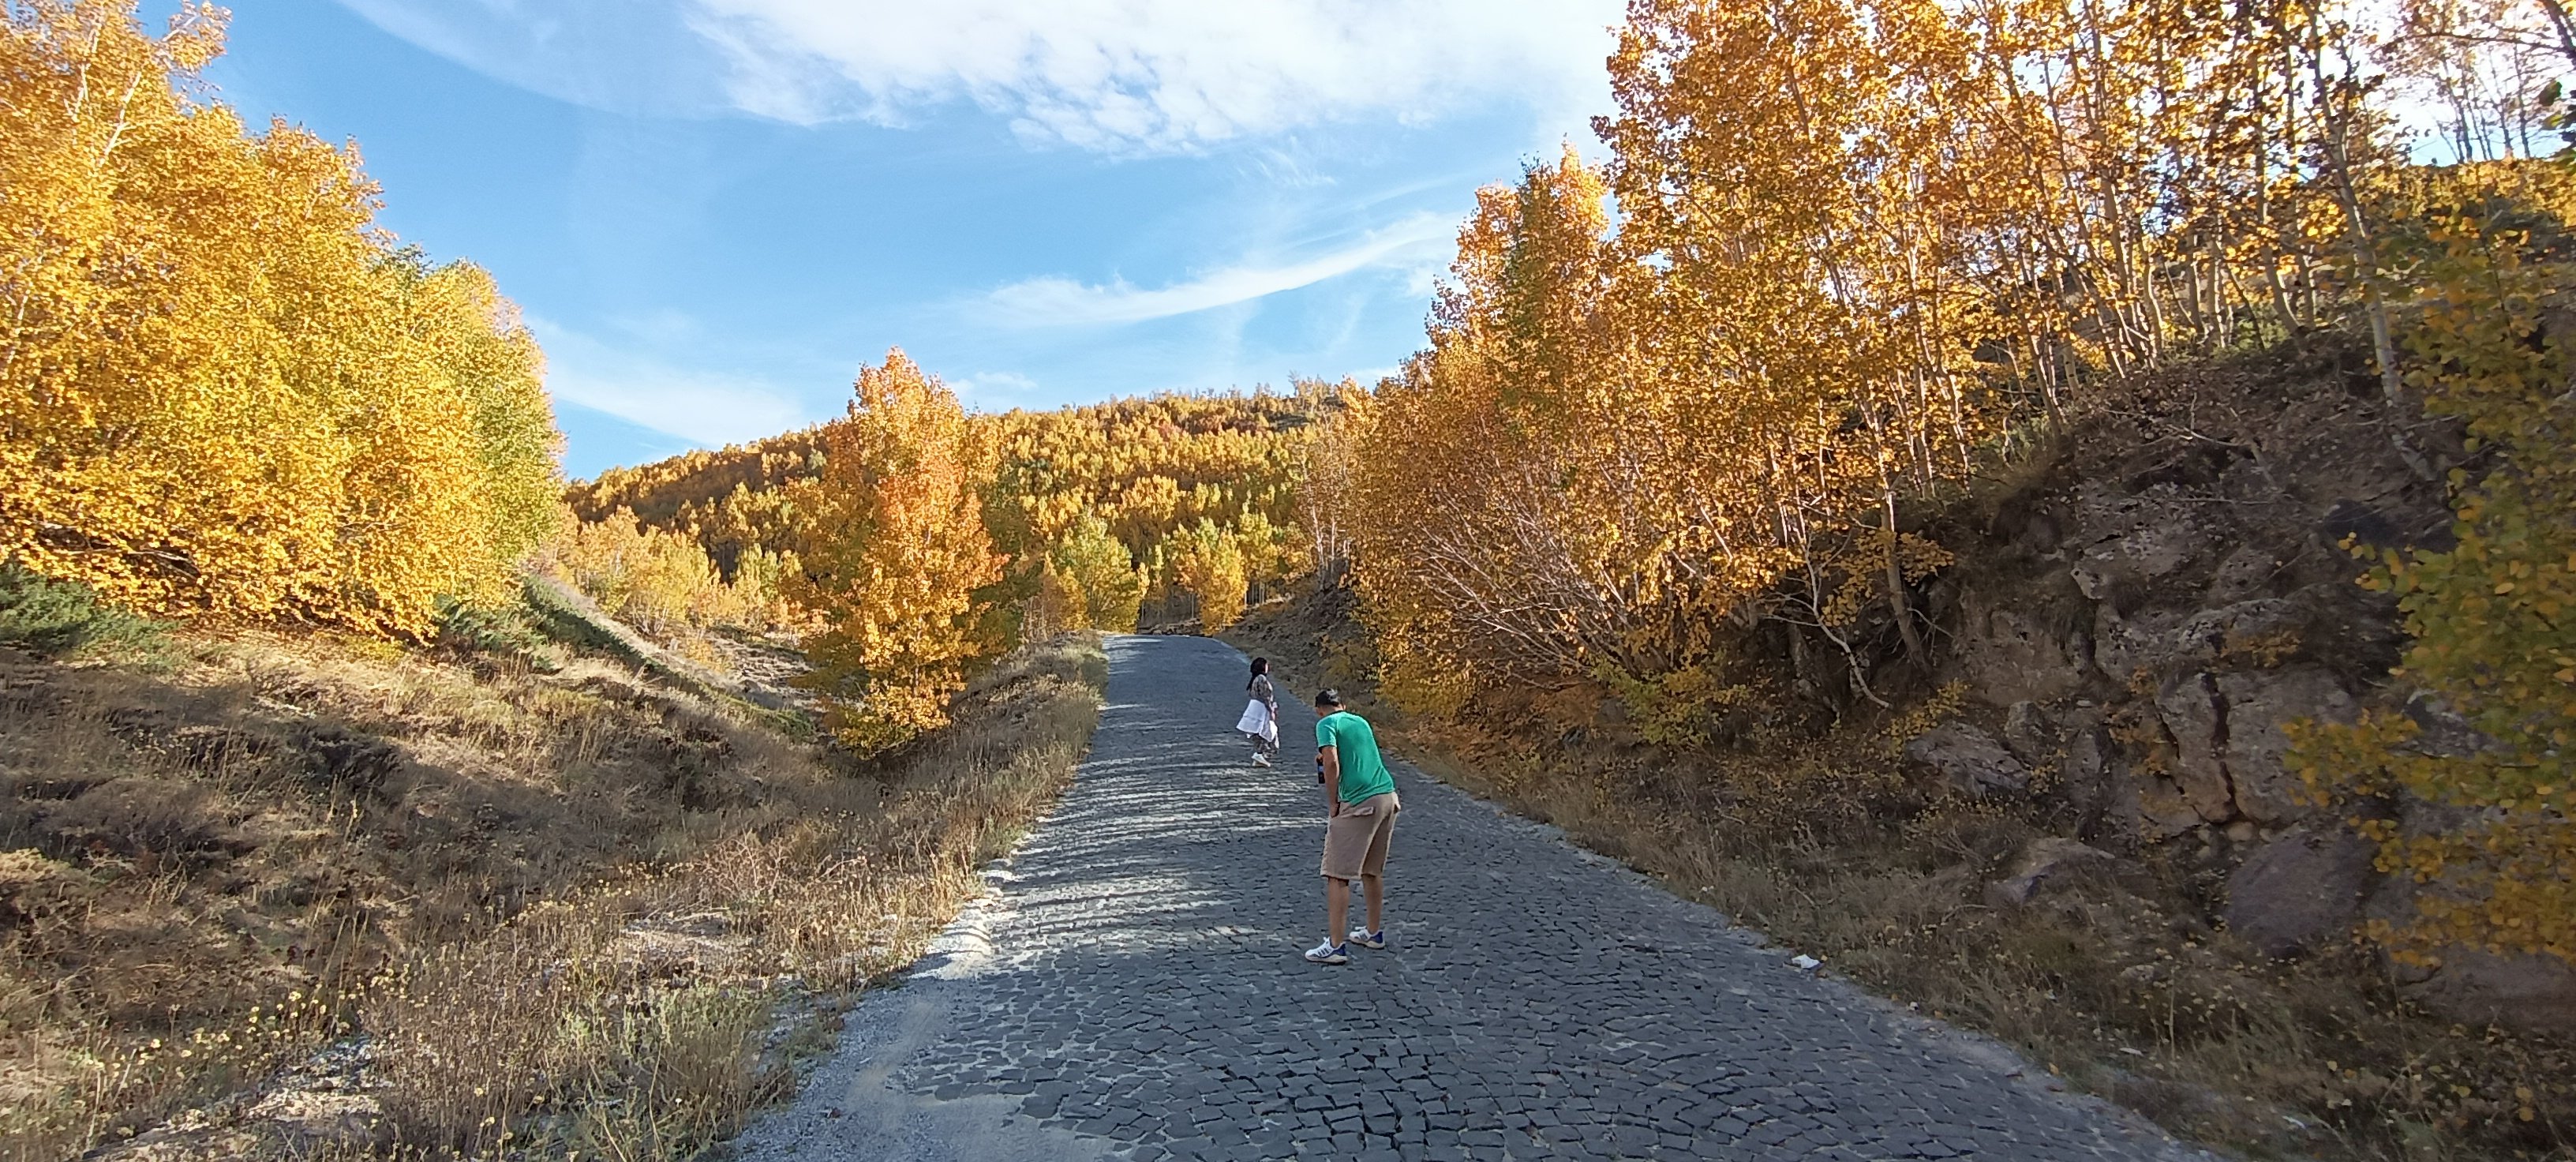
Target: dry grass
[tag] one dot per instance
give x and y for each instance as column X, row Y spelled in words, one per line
column 567, row 911
column 2118, row 982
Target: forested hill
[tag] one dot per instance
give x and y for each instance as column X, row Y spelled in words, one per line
column 1161, row 504
column 664, row 492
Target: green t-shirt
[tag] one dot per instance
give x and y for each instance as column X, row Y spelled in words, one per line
column 1363, row 772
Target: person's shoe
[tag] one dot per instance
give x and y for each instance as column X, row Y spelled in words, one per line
column 1329, row 953
column 1261, row 760
column 1367, row 939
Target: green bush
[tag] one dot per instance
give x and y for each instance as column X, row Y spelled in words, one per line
column 511, row 630
column 66, row 619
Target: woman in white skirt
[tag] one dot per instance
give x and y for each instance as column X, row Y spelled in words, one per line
column 1261, row 715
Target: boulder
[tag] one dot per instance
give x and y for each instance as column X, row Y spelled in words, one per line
column 2163, row 641
column 2084, row 776
column 2301, row 891
column 2157, row 537
column 2011, row 656
column 2084, row 763
column 2528, row 992
column 2247, row 572
column 2161, row 810
column 1970, row 759
column 2124, row 645
column 2028, row 734
column 2045, row 862
column 2441, row 732
column 2194, row 717
column 2259, row 703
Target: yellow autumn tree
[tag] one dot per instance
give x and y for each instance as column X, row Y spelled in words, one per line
column 1210, row 565
column 898, row 552
column 657, row 580
column 223, row 391
column 1863, row 246
column 2492, row 616
column 1094, row 566
column 1082, row 501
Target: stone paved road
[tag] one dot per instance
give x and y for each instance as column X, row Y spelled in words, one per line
column 1134, row 989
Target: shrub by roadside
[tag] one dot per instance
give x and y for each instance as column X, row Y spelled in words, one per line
column 52, row 618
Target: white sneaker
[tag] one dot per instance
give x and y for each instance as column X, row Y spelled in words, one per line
column 1367, row 939
column 1261, row 760
column 1329, row 953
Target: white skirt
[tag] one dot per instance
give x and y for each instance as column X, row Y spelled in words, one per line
column 1256, row 721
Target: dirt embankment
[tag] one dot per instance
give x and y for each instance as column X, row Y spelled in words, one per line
column 2074, row 829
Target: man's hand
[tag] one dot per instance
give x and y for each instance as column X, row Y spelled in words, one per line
column 1332, row 756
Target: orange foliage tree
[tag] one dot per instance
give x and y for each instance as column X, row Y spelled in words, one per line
column 897, row 556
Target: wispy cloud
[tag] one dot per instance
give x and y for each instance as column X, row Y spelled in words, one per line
column 1156, row 75
column 1121, row 76
column 1005, row 389
column 704, row 408
column 622, row 56
column 1055, row 301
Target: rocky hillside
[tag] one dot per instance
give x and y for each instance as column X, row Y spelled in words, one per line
column 2074, row 827
column 2137, row 625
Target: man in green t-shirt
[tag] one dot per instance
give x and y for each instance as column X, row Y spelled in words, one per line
column 1360, row 808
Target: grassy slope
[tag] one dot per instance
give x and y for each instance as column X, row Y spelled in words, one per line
column 530, row 890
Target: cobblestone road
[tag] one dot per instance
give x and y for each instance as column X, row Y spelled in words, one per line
column 1134, row 989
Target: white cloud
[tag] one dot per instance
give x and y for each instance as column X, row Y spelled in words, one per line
column 704, row 408
column 614, row 55
column 1061, row 301
column 997, row 389
column 1157, row 75
column 1123, row 76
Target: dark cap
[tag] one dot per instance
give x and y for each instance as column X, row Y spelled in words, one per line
column 1328, row 697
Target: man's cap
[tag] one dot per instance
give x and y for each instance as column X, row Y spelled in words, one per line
column 1328, row 697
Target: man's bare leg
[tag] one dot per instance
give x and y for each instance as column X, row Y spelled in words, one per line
column 1374, row 887
column 1337, row 910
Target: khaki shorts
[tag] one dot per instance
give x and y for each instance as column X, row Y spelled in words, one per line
column 1355, row 841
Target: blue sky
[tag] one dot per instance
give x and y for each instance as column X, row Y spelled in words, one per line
column 713, row 211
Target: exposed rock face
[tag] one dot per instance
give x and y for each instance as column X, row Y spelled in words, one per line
column 2246, row 572
column 2130, row 541
column 2530, row 992
column 2259, row 703
column 1970, row 759
column 2192, row 714
column 2228, row 737
column 2127, row 646
column 2151, row 613
column 2046, row 861
column 2015, row 656
column 2028, row 733
column 2301, row 891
